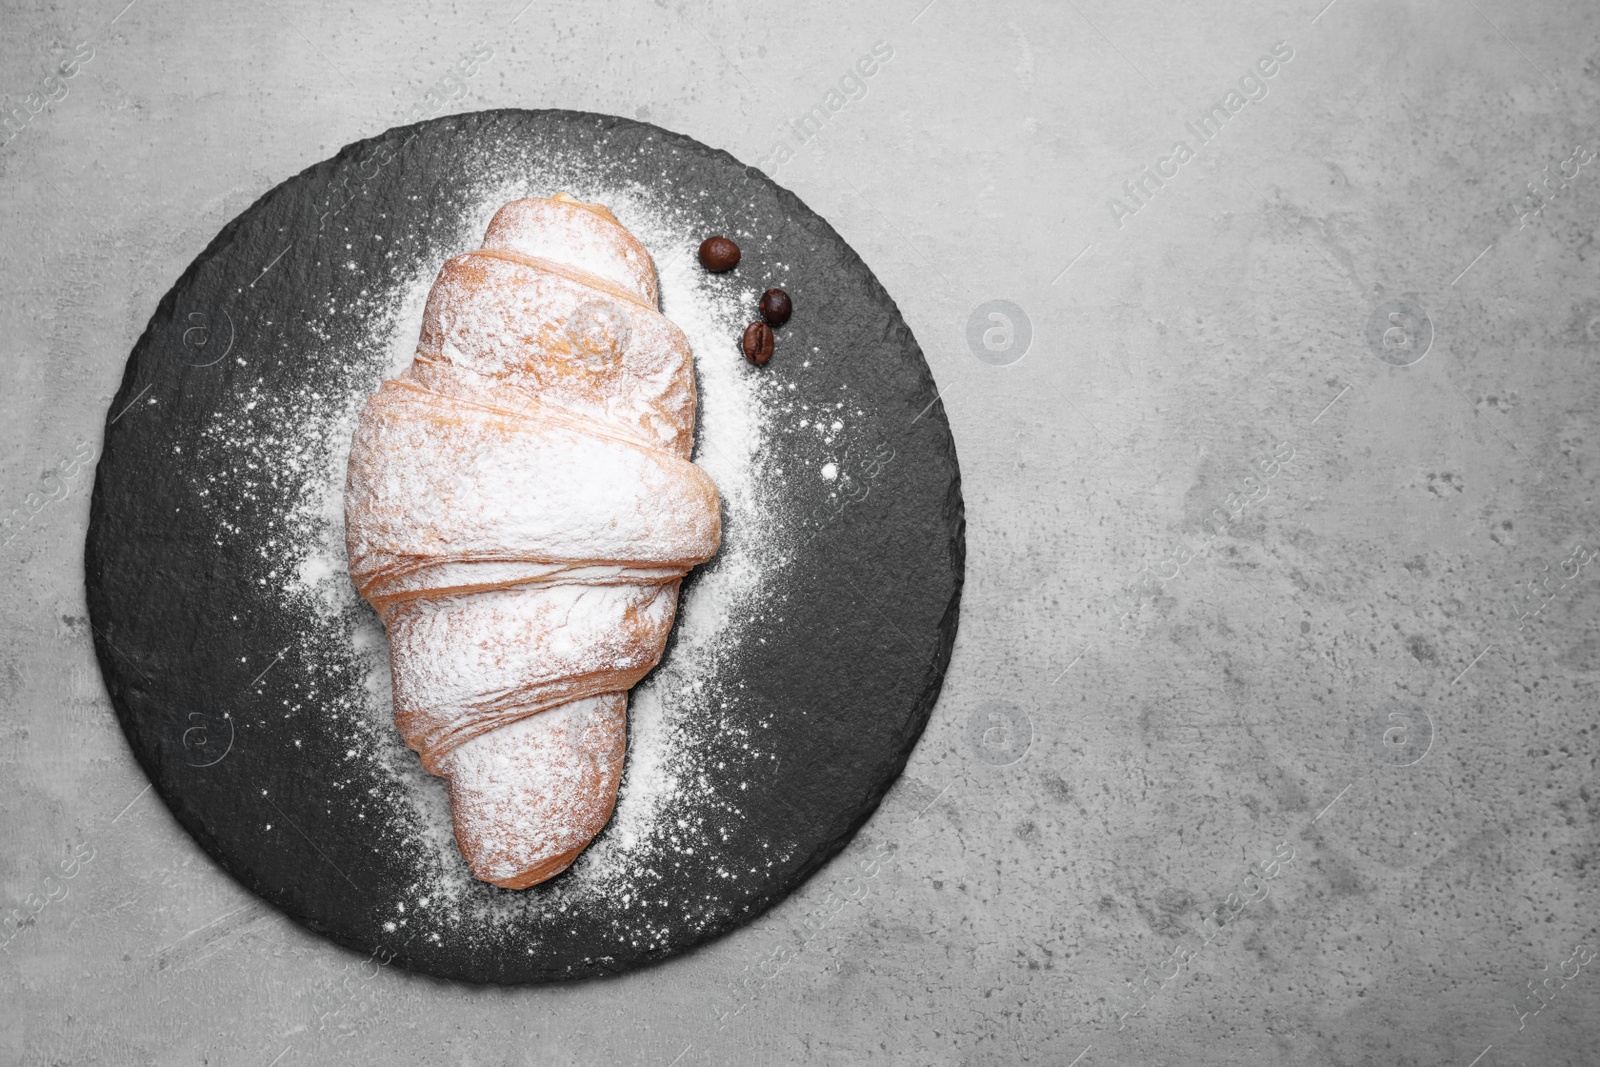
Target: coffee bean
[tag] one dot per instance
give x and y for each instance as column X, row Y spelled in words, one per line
column 757, row 343
column 776, row 307
column 718, row 254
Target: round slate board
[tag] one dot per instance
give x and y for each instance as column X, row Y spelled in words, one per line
column 259, row 716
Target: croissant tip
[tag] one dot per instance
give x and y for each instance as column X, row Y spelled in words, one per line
column 527, row 797
column 531, row 877
column 598, row 209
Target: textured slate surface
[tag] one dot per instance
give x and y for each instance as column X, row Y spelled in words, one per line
column 182, row 602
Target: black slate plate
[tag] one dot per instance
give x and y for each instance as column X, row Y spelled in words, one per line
column 255, row 699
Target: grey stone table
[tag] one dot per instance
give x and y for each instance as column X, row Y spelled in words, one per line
column 1267, row 337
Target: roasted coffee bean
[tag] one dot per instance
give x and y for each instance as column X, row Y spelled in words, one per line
column 757, row 344
column 718, row 254
column 776, row 307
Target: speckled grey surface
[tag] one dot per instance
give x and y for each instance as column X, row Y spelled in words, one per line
column 1343, row 667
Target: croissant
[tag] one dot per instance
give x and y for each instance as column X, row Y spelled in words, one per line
column 520, row 509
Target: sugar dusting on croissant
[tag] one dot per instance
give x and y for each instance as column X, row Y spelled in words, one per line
column 520, row 509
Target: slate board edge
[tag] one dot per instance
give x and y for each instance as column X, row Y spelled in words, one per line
column 954, row 518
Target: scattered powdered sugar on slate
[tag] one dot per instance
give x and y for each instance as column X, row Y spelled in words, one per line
column 294, row 449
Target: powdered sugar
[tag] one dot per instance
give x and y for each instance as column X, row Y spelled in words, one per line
column 666, row 804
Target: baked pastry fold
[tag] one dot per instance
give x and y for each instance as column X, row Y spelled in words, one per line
column 520, row 509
